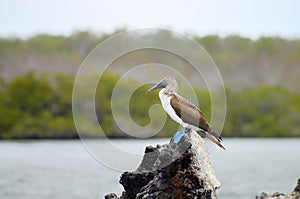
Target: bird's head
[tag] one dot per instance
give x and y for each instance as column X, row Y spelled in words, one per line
column 167, row 82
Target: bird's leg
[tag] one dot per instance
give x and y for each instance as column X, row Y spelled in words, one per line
column 178, row 135
column 183, row 129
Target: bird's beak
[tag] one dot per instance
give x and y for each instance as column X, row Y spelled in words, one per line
column 158, row 85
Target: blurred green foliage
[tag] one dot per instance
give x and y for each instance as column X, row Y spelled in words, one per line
column 241, row 61
column 268, row 111
column 39, row 106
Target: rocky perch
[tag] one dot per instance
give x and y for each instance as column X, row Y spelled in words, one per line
column 294, row 195
column 181, row 170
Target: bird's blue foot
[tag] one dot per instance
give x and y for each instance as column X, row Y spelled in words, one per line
column 178, row 135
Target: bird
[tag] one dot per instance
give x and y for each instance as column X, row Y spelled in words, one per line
column 182, row 111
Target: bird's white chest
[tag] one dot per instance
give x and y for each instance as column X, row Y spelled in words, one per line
column 165, row 102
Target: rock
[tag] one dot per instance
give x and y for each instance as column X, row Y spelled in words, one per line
column 297, row 188
column 172, row 170
column 111, row 196
column 294, row 195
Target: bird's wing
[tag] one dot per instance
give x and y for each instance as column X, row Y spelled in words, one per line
column 189, row 113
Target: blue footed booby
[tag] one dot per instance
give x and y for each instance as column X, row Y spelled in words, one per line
column 183, row 111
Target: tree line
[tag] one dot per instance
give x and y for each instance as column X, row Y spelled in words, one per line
column 39, row 105
column 243, row 62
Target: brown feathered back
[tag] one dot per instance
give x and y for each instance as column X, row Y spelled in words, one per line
column 188, row 112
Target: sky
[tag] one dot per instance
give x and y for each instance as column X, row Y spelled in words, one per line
column 251, row 18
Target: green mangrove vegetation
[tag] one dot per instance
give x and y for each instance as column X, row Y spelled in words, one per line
column 37, row 74
column 36, row 106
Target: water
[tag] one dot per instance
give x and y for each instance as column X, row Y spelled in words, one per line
column 64, row 169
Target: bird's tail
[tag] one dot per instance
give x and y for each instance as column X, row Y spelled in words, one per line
column 216, row 140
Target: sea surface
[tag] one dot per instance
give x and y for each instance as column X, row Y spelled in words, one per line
column 90, row 169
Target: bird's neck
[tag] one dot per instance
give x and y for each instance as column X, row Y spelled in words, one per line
column 165, row 92
column 162, row 92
